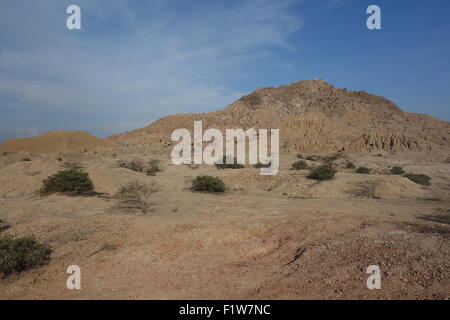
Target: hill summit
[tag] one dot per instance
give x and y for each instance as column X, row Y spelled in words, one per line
column 313, row 116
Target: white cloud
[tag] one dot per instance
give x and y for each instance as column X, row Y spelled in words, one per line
column 124, row 67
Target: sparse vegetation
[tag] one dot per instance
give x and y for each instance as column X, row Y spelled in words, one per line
column 300, row 156
column 419, row 178
column 136, row 165
column 154, row 167
column 252, row 99
column 3, row 226
column 366, row 189
column 73, row 181
column 299, row 165
column 350, row 165
column 226, row 165
column 363, row 170
column 311, row 158
column 260, row 165
column 21, row 254
column 208, row 184
column 322, row 173
column 138, row 194
column 397, row 170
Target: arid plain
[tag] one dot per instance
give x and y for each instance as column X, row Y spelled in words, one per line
column 267, row 237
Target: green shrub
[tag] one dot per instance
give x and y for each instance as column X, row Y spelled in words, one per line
column 299, row 165
column 73, row 181
column 397, row 170
column 363, row 170
column 322, row 173
column 350, row 165
column 419, row 178
column 208, row 184
column 226, row 165
column 21, row 254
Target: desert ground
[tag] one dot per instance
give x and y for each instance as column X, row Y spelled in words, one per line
column 266, row 237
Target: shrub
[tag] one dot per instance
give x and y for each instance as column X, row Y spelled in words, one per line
column 260, row 165
column 397, row 170
column 300, row 156
column 154, row 167
column 350, row 165
column 208, row 184
column 419, row 178
column 138, row 194
column 299, row 165
column 73, row 181
column 136, row 165
column 3, row 226
column 363, row 170
column 226, row 165
column 21, row 254
column 322, row 173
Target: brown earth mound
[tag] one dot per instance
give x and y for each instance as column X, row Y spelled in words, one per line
column 55, row 141
column 313, row 116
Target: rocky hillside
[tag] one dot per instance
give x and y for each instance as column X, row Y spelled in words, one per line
column 313, row 116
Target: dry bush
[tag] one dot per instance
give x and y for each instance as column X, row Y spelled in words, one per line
column 138, row 194
column 366, row 189
column 154, row 167
column 135, row 165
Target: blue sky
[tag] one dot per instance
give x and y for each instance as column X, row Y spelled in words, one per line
column 136, row 61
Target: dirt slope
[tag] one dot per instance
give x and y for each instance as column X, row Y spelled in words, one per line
column 55, row 141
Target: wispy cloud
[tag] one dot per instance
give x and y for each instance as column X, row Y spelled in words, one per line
column 131, row 61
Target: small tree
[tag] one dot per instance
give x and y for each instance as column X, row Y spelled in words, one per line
column 208, row 184
column 322, row 173
column 74, row 181
column 139, row 194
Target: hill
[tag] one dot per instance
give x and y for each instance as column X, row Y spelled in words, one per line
column 55, row 141
column 313, row 116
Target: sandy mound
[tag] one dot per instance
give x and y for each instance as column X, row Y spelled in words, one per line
column 344, row 185
column 55, row 141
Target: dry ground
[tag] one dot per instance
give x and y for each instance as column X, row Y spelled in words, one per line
column 265, row 238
